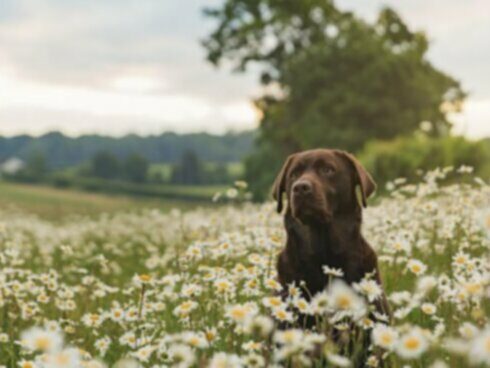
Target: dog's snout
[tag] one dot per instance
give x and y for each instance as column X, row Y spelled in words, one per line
column 302, row 187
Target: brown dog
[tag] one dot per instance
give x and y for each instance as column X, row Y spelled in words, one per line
column 323, row 220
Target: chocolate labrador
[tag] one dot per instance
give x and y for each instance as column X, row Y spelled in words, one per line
column 323, row 220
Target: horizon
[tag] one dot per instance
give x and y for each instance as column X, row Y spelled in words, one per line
column 124, row 135
column 142, row 71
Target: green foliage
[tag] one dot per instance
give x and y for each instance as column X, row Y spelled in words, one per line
column 61, row 151
column 188, row 170
column 105, row 165
column 336, row 80
column 405, row 156
column 136, row 168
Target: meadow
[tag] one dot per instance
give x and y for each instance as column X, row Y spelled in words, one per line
column 140, row 287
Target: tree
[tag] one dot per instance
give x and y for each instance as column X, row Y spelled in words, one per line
column 105, row 165
column 188, row 170
column 136, row 168
column 35, row 168
column 333, row 80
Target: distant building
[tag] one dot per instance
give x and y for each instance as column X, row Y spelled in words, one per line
column 12, row 166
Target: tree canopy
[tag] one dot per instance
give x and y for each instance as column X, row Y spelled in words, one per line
column 330, row 79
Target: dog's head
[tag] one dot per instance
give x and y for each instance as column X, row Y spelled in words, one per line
column 321, row 184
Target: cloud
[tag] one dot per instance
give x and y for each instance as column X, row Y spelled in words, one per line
column 129, row 65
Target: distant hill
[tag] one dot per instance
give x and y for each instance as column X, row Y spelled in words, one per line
column 62, row 151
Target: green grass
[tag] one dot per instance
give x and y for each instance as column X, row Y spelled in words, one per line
column 57, row 204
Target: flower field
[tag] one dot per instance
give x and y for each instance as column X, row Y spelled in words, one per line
column 198, row 288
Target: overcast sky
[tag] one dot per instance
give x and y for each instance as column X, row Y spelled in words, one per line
column 121, row 66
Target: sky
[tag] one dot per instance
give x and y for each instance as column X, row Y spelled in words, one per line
column 130, row 66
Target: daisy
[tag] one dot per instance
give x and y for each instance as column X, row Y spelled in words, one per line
column 289, row 337
column 27, row 364
column 468, row 330
column 412, row 344
column 337, row 272
column 64, row 359
column 182, row 356
column 239, row 313
column 282, row 314
column 273, row 302
column 143, row 354
column 428, row 308
column 37, row 339
column 384, row 336
column 480, row 348
column 369, row 288
column 259, row 325
column 185, row 308
column 416, row 267
column 342, row 298
column 223, row 360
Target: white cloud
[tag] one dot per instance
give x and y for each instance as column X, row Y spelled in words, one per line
column 29, row 106
column 121, row 66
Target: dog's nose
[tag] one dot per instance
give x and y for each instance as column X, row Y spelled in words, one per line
column 302, row 187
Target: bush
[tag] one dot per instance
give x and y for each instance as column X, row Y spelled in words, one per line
column 404, row 156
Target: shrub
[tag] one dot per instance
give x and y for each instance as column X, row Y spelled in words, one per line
column 405, row 156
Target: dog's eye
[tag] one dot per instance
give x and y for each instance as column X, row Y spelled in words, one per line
column 327, row 171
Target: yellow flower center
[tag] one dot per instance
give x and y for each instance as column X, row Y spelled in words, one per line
column 412, row 343
column 238, row 313
column 281, row 314
column 386, row 339
column 43, row 343
column 344, row 302
column 145, row 278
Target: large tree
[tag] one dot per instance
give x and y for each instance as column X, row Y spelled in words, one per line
column 331, row 78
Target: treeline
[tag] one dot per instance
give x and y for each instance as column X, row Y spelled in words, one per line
column 60, row 151
column 134, row 168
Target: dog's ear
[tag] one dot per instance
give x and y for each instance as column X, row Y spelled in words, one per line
column 362, row 177
column 279, row 186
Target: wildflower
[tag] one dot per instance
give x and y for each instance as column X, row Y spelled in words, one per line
column 428, row 308
column 338, row 360
column 239, row 313
column 302, row 305
column 67, row 358
column 272, row 302
column 343, row 298
column 195, row 340
column 181, row 355
column 223, row 360
column 369, row 288
column 289, row 337
column 320, row 303
column 128, row 338
column 412, row 344
column 480, row 348
column 259, row 325
column 336, row 272
column 468, row 330
column 185, row 308
column 384, row 336
column 143, row 354
column 224, row 286
column 426, row 284
column 416, row 267
column 27, row 364
column 254, row 360
column 102, row 345
column 273, row 285
column 117, row 314
column 92, row 319
column 282, row 314
column 252, row 346
column 37, row 339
